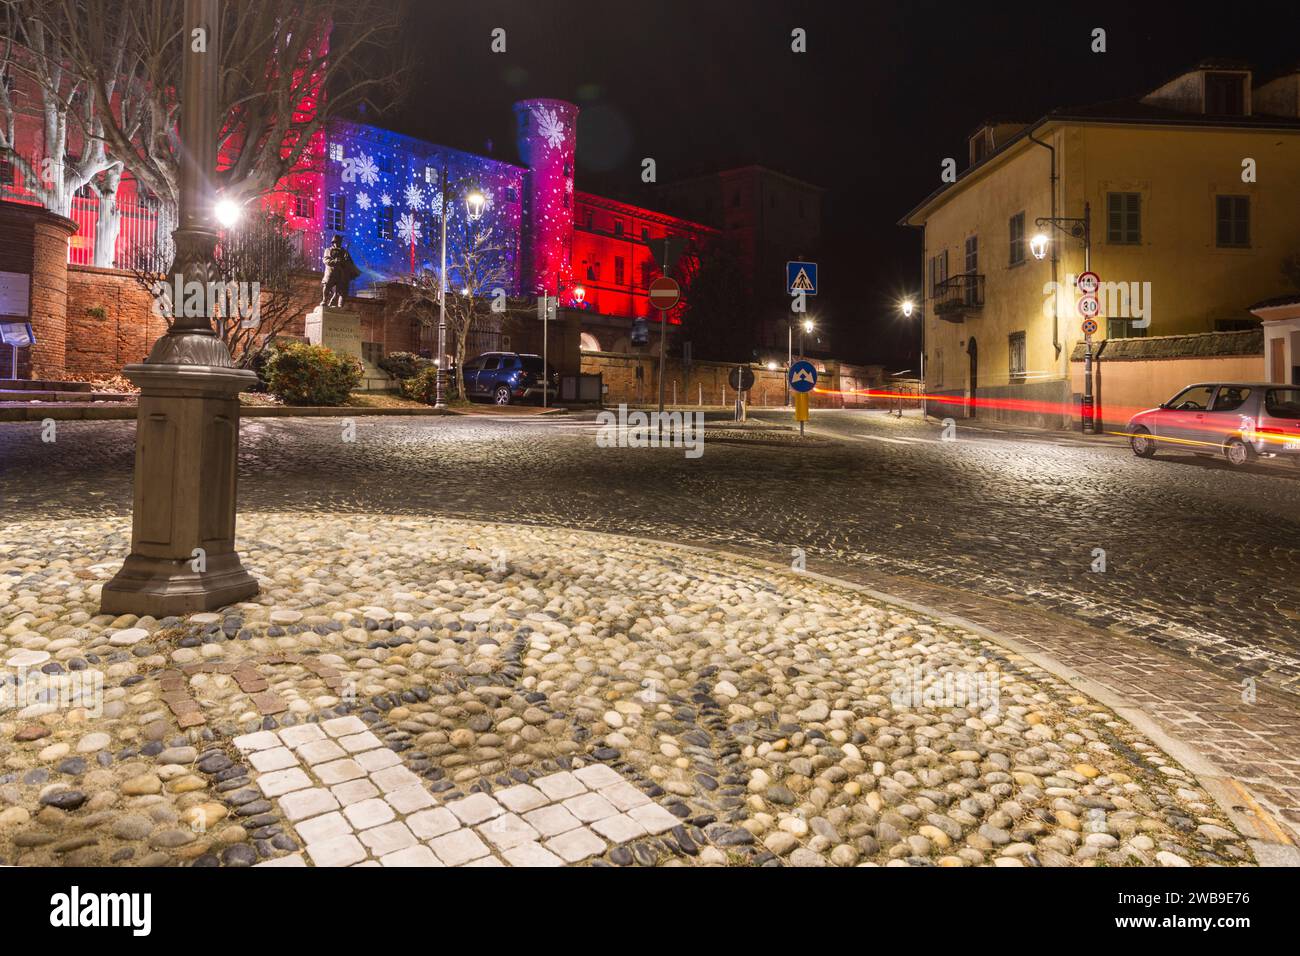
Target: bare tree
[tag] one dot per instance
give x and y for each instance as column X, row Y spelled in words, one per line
column 257, row 258
column 32, row 50
column 287, row 67
column 477, row 280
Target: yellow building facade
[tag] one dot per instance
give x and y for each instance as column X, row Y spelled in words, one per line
column 1191, row 215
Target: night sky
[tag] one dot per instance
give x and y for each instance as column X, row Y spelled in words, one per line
column 885, row 91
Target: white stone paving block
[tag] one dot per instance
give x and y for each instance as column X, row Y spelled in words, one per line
column 302, row 804
column 280, row 782
column 337, row 851
column 459, row 846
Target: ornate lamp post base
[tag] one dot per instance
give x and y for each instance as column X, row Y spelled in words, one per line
column 183, row 557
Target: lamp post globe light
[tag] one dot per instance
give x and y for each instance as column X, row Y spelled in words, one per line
column 475, row 203
column 183, row 557
column 1079, row 228
column 908, row 308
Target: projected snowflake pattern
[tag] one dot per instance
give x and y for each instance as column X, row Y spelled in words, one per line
column 550, row 126
column 414, row 196
column 363, row 167
column 363, row 201
column 408, row 229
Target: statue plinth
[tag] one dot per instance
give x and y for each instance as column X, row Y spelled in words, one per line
column 335, row 328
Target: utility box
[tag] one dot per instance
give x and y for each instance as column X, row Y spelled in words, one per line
column 582, row 388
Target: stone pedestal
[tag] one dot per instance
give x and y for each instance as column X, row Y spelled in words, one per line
column 337, row 329
column 340, row 330
column 186, row 469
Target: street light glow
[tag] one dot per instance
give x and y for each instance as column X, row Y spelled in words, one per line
column 1038, row 245
column 474, row 204
column 228, row 213
column 908, row 307
column 808, row 325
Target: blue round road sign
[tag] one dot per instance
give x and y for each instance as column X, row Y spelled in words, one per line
column 803, row 376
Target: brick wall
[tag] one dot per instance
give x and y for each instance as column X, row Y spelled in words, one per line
column 110, row 321
column 707, row 381
column 111, row 324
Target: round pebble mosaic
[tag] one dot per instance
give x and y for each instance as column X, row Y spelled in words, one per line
column 421, row 692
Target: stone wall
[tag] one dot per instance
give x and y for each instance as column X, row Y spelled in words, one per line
column 840, row 385
column 1131, row 375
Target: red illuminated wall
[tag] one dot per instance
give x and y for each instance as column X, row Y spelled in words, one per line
column 610, row 258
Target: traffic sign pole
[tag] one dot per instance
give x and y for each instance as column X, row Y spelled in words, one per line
column 1089, row 307
column 802, row 378
column 664, row 294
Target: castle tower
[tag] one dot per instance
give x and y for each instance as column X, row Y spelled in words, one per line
column 545, row 133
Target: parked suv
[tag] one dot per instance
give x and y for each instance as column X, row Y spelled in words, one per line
column 507, row 377
column 1240, row 420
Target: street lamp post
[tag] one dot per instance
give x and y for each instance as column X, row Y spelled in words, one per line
column 1081, row 229
column 908, row 308
column 474, row 203
column 183, row 557
column 789, row 358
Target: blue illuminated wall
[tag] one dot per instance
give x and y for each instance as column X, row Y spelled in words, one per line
column 384, row 189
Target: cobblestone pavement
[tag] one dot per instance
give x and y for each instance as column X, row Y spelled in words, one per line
column 1200, row 562
column 431, row 692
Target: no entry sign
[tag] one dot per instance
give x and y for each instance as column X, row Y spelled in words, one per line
column 665, row 293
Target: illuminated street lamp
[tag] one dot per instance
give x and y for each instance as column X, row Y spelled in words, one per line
column 806, row 328
column 579, row 294
column 183, row 556
column 475, row 203
column 908, row 308
column 1081, row 229
column 228, row 213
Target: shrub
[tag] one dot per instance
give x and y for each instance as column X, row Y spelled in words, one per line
column 404, row 365
column 312, row 375
column 422, row 386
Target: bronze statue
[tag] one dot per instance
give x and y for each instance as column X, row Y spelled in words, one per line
column 340, row 270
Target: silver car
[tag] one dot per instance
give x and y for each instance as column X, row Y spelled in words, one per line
column 1242, row 421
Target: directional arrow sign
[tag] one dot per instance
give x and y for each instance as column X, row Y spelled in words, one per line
column 803, row 376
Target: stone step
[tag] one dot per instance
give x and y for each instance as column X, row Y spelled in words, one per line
column 26, row 396
column 26, row 385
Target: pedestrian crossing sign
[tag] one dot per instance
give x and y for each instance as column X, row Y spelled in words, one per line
column 801, row 277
